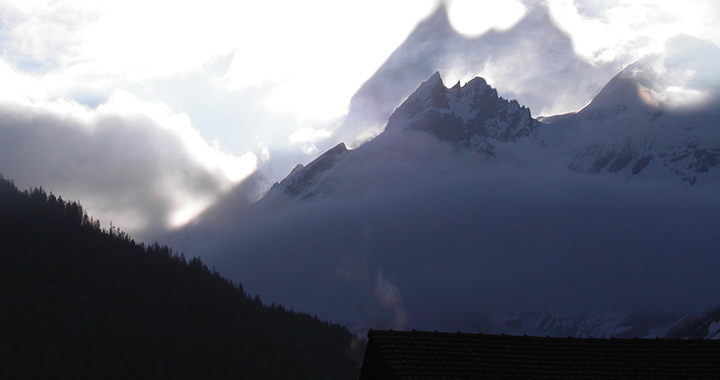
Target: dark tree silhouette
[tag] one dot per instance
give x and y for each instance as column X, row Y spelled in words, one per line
column 78, row 301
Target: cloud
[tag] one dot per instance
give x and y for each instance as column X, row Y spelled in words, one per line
column 473, row 17
column 684, row 75
column 316, row 61
column 137, row 164
column 626, row 30
column 391, row 311
column 308, row 138
column 41, row 35
column 241, row 71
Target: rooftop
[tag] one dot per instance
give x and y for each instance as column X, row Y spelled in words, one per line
column 434, row 355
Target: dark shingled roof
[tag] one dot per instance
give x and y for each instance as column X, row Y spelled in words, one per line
column 417, row 355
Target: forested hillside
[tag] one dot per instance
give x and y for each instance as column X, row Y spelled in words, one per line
column 79, row 301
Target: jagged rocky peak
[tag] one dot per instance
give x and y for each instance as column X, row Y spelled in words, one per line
column 296, row 169
column 472, row 115
column 420, row 100
column 302, row 178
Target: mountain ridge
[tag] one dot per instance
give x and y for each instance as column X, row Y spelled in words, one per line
column 473, row 116
column 534, row 59
column 639, row 122
column 562, row 210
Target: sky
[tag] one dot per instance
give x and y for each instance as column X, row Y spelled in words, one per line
column 150, row 111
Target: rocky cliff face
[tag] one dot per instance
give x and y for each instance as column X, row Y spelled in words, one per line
column 471, row 116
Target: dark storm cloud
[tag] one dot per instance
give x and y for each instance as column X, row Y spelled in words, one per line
column 450, row 240
column 127, row 169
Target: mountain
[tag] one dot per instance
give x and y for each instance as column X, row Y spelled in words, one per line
column 657, row 116
column 300, row 180
column 630, row 126
column 534, row 61
column 637, row 324
column 79, row 301
column 473, row 117
column 466, row 213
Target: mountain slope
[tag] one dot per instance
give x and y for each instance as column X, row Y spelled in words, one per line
column 83, row 302
column 471, row 117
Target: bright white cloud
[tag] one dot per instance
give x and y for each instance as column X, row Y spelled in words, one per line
column 628, row 29
column 303, row 50
column 680, row 97
column 311, row 56
column 307, row 138
column 315, row 63
column 475, row 17
column 16, row 87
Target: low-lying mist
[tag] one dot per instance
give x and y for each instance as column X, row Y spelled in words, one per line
column 445, row 240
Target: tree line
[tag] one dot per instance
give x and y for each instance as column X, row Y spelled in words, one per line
column 83, row 302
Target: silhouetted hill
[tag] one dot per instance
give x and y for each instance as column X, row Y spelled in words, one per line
column 79, row 301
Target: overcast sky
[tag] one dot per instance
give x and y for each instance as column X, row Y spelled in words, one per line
column 148, row 111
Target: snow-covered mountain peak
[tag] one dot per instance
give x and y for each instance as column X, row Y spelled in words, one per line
column 430, row 88
column 302, row 179
column 472, row 116
column 420, row 100
column 477, row 84
column 658, row 116
column 624, row 93
column 684, row 76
